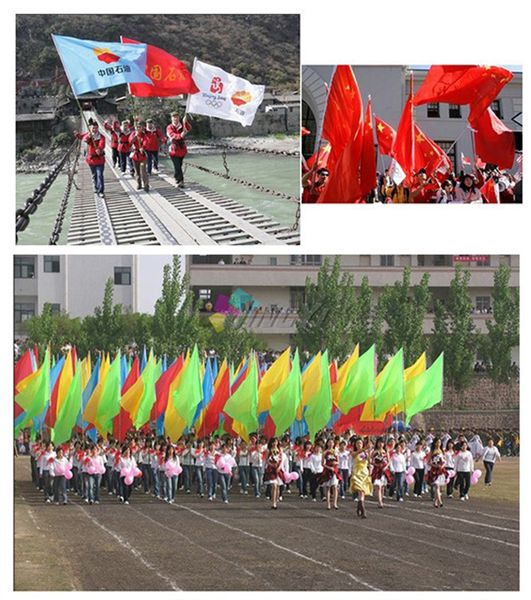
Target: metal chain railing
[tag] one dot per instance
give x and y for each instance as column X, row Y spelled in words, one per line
column 249, row 184
column 296, row 223
column 244, row 149
column 225, row 165
column 22, row 215
column 59, row 220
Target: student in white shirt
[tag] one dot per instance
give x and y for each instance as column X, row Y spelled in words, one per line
column 199, row 467
column 315, row 464
column 243, row 467
column 418, row 462
column 46, row 459
column 59, row 480
column 397, row 465
column 126, row 462
column 224, row 465
column 464, row 466
column 210, row 470
column 490, row 455
column 449, row 457
column 256, row 461
column 171, row 461
column 344, row 467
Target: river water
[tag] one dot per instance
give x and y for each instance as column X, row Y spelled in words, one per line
column 280, row 173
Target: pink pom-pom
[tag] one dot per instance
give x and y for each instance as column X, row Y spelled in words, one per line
column 138, row 473
column 477, row 473
column 451, row 474
column 91, row 470
column 129, row 480
column 411, row 471
column 68, row 475
column 410, row 479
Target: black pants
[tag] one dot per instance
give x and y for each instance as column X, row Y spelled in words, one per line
column 450, row 486
column 125, row 161
column 152, row 160
column 47, row 485
column 126, row 489
column 115, row 157
column 59, row 489
column 313, row 484
column 463, row 481
column 419, row 478
column 306, row 478
column 489, row 466
column 178, row 168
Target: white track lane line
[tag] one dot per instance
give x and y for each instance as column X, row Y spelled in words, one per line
column 275, row 545
column 408, row 537
column 136, row 553
column 203, row 548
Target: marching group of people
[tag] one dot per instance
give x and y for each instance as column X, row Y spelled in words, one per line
column 331, row 467
column 135, row 149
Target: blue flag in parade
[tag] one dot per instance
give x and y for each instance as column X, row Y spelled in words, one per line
column 91, row 65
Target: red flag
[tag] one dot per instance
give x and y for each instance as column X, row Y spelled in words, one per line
column 465, row 161
column 169, row 75
column 490, row 191
column 351, row 420
column 404, row 148
column 216, row 405
column 344, row 113
column 23, row 368
column 324, row 155
column 122, row 423
column 480, row 164
column 385, row 135
column 162, row 388
column 429, row 155
column 305, row 131
column 463, row 84
column 368, row 156
column 494, row 141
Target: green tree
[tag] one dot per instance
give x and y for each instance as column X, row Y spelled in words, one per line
column 454, row 332
column 404, row 308
column 105, row 329
column 176, row 324
column 367, row 319
column 503, row 332
column 54, row 330
column 234, row 341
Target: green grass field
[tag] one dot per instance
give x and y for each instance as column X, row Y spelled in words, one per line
column 505, row 482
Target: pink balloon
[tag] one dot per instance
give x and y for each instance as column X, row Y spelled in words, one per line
column 138, row 473
column 68, row 475
column 59, row 470
column 91, row 470
column 477, row 473
column 410, row 479
column 411, row 471
column 227, row 469
column 451, row 474
column 129, row 480
column 124, row 472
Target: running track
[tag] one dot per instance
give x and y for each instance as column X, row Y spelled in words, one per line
column 198, row 545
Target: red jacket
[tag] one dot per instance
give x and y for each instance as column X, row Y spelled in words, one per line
column 136, row 142
column 175, row 135
column 123, row 141
column 95, row 149
column 153, row 139
column 114, row 134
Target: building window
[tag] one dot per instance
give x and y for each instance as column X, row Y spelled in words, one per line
column 273, row 261
column 24, row 311
column 442, row 260
column 122, row 275
column 52, row 264
column 305, row 260
column 387, row 260
column 496, row 108
column 296, row 298
column 454, row 111
column 433, row 110
column 449, row 148
column 309, row 122
column 205, row 293
column 483, row 304
column 212, row 259
column 24, row 267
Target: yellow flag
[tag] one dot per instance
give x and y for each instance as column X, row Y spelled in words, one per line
column 418, row 367
column 311, row 383
column 65, row 380
column 86, row 370
column 342, row 374
column 274, row 376
column 92, row 404
column 174, row 424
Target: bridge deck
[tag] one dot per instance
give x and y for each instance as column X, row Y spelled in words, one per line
column 166, row 215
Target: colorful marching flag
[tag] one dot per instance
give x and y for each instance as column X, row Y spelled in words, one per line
column 243, row 403
column 34, row 396
column 425, row 390
column 122, row 421
column 88, row 390
column 319, row 408
column 109, row 404
column 342, row 375
column 207, row 384
column 217, row 402
column 385, row 136
column 91, row 407
column 390, row 386
column 91, row 65
column 60, row 389
column 272, row 379
column 476, row 85
column 490, row 191
column 359, row 384
column 494, row 141
column 224, row 95
column 168, row 75
column 164, row 387
column 69, row 410
column 188, row 394
column 286, row 398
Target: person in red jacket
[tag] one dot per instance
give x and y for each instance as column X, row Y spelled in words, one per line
column 95, row 156
column 124, row 147
column 114, row 129
column 139, row 156
column 153, row 139
column 175, row 132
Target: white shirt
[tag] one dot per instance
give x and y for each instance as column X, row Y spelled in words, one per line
column 257, row 459
column 397, row 463
column 199, row 454
column 315, row 463
column 344, row 459
column 210, row 459
column 243, row 458
column 127, row 463
column 464, row 462
column 58, row 461
column 491, row 454
column 417, row 459
column 449, row 457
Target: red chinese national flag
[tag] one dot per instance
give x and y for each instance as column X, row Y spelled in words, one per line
column 385, row 135
column 368, row 156
column 344, row 113
column 477, row 85
column 494, row 141
column 490, row 192
column 169, row 75
column 428, row 155
column 403, row 148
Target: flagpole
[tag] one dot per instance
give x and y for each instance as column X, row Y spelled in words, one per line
column 327, row 88
column 412, row 118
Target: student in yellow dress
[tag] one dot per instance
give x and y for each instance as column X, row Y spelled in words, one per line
column 360, row 480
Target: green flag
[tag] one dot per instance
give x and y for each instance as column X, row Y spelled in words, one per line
column 425, row 390
column 189, row 394
column 34, row 397
column 241, row 406
column 286, row 399
column 319, row 407
column 149, row 377
column 66, row 419
column 109, row 404
column 390, row 388
column 360, row 382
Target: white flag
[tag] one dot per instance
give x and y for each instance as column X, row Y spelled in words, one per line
column 224, row 95
column 396, row 173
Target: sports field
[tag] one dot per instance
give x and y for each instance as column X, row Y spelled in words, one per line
column 200, row 545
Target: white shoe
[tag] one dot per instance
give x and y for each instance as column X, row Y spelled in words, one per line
column 225, row 501
column 280, row 499
column 86, row 500
column 462, row 499
column 466, row 497
column 401, row 500
column 210, row 498
column 314, row 499
column 96, row 501
column 126, row 502
column 57, row 503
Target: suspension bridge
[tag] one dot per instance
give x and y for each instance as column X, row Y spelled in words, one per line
column 164, row 215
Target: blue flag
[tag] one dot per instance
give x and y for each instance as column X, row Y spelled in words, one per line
column 93, row 65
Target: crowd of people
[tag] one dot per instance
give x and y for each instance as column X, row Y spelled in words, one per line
column 135, row 149
column 332, row 467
